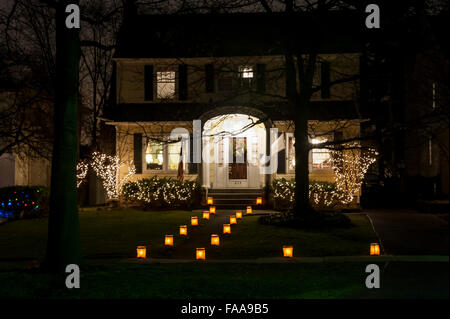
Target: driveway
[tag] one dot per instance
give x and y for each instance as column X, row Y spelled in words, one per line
column 408, row 232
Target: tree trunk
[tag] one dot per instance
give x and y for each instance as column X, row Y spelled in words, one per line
column 63, row 245
column 301, row 204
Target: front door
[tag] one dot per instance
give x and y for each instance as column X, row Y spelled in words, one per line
column 233, row 167
column 237, row 168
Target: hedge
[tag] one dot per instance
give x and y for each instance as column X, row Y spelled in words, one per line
column 322, row 194
column 162, row 192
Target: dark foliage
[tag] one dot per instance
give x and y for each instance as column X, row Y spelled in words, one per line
column 18, row 202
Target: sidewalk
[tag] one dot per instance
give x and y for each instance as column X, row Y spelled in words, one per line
column 330, row 259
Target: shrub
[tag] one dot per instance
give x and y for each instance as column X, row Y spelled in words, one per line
column 322, row 194
column 18, row 202
column 162, row 192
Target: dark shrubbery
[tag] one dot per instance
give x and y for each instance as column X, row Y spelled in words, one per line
column 162, row 192
column 17, row 202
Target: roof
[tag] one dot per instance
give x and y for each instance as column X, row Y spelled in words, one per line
column 238, row 34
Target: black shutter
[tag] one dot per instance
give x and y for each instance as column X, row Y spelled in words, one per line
column 281, row 169
column 148, row 82
column 261, row 77
column 338, row 136
column 325, row 80
column 138, row 152
column 209, row 78
column 182, row 82
column 192, row 167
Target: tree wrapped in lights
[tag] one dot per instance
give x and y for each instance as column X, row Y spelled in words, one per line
column 350, row 163
column 82, row 170
column 107, row 168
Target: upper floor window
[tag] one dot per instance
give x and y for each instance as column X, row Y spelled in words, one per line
column 245, row 75
column 165, row 85
column 246, row 72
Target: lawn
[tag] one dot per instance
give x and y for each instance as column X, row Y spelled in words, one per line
column 249, row 239
column 234, row 281
column 116, row 233
column 109, row 239
column 104, row 233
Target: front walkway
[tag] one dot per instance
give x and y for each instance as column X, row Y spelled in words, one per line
column 408, row 232
column 201, row 237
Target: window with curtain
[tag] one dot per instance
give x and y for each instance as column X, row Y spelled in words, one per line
column 321, row 157
column 165, row 85
column 291, row 153
column 246, row 75
column 174, row 155
column 154, row 155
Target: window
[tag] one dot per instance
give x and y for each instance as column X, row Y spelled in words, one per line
column 246, row 72
column 174, row 150
column 163, row 156
column 321, row 158
column 165, row 84
column 154, row 155
column 291, row 152
column 246, row 75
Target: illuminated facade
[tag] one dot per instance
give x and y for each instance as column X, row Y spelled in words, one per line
column 237, row 95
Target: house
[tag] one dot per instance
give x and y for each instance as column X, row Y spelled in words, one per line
column 24, row 139
column 222, row 77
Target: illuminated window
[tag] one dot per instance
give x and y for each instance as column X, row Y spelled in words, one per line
column 246, row 72
column 154, row 155
column 162, row 155
column 246, row 75
column 291, row 152
column 174, row 155
column 320, row 156
column 165, row 85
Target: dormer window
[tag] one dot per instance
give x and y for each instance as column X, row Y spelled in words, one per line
column 165, row 85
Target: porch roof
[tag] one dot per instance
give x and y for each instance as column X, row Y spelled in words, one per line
column 150, row 112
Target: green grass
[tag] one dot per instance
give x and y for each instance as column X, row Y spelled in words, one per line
column 240, row 281
column 104, row 233
column 114, row 234
column 249, row 239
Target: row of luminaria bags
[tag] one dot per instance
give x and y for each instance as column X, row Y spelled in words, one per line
column 200, row 254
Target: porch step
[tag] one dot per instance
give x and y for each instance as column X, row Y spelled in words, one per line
column 234, row 190
column 234, row 198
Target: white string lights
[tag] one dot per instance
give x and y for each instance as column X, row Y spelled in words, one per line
column 107, row 168
column 350, row 164
column 82, row 170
